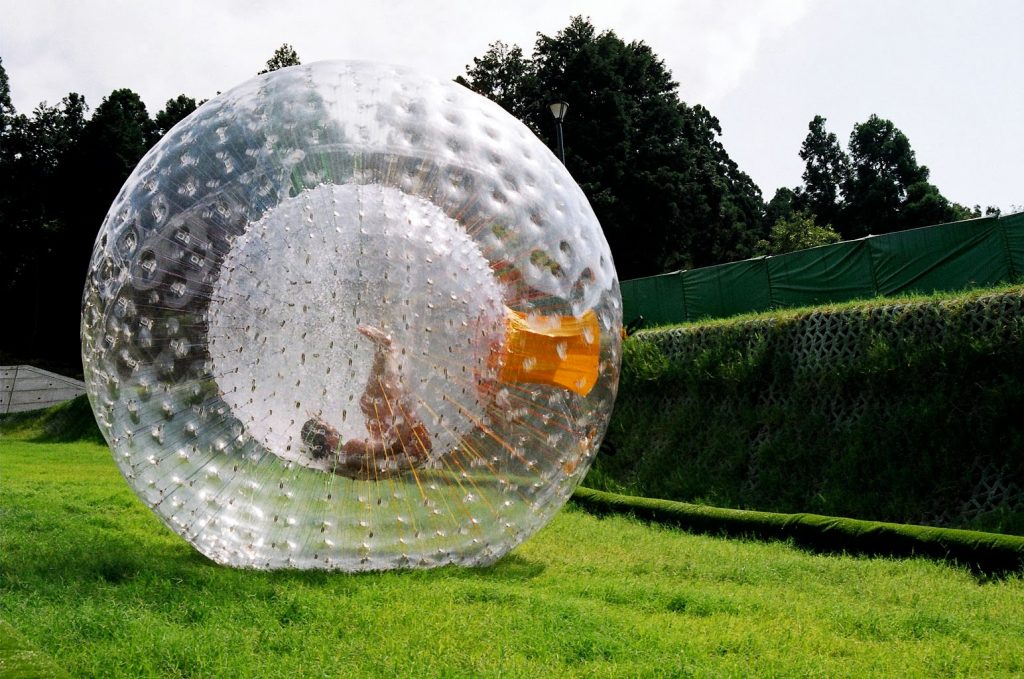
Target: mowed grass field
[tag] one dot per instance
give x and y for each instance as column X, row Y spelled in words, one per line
column 92, row 579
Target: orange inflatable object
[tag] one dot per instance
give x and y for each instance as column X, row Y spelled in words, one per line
column 561, row 351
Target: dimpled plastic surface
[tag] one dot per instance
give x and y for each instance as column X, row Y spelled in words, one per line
column 232, row 282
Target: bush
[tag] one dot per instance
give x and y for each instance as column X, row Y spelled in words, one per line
column 891, row 411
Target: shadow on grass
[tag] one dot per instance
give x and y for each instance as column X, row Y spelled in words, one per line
column 511, row 567
column 106, row 559
column 101, row 556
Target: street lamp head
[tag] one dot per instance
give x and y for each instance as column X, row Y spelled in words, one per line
column 558, row 110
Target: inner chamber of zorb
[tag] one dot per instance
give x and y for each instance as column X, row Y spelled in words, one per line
column 241, row 276
column 294, row 288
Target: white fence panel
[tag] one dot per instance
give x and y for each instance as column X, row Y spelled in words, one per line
column 25, row 387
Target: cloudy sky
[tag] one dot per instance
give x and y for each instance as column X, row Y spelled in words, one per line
column 949, row 74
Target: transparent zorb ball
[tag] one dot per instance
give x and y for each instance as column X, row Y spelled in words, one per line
column 346, row 317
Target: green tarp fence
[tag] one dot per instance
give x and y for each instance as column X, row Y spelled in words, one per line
column 1013, row 230
column 955, row 256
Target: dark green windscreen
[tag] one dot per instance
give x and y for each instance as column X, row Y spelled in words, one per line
column 727, row 289
column 659, row 299
column 955, row 256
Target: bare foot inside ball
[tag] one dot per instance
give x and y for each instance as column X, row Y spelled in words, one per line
column 376, row 335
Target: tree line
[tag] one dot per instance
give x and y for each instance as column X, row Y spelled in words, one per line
column 653, row 167
column 659, row 179
column 60, row 170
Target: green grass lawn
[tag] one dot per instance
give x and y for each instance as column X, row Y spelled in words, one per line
column 90, row 577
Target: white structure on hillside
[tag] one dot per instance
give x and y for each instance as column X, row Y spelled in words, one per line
column 25, row 387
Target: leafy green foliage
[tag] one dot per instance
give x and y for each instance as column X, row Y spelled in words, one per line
column 878, row 187
column 826, row 171
column 91, row 577
column 883, row 167
column 63, row 175
column 34, row 171
column 796, row 232
column 60, row 169
column 653, row 168
column 283, row 56
column 175, row 110
column 7, row 115
column 902, row 428
column 508, row 78
column 783, row 204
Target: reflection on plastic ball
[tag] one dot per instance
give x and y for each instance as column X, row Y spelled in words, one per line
column 344, row 317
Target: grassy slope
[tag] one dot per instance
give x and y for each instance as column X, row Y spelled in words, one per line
column 90, row 576
column 895, row 433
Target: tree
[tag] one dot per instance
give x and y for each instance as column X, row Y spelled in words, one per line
column 119, row 133
column 506, row 77
column 12, row 142
column 877, row 188
column 718, row 197
column 284, row 56
column 175, row 110
column 883, row 167
column 53, row 131
column 86, row 180
column 8, row 138
column 825, row 173
column 796, row 232
column 886, row 189
column 117, row 136
column 7, row 111
column 33, row 228
column 653, row 168
column 783, row 204
column 924, row 205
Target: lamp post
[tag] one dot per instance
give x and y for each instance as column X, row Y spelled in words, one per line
column 558, row 110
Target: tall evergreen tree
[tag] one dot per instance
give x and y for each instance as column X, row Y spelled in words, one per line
column 826, row 171
column 877, row 187
column 783, row 204
column 724, row 211
column 283, row 56
column 12, row 142
column 7, row 111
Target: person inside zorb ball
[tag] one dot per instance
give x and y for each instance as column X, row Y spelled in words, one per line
column 345, row 317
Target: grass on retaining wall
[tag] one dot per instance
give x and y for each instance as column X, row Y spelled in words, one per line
column 790, row 313
column 933, row 411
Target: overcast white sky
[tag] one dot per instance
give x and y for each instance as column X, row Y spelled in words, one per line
column 949, row 74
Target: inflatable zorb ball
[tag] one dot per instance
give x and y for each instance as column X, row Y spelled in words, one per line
column 345, row 317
